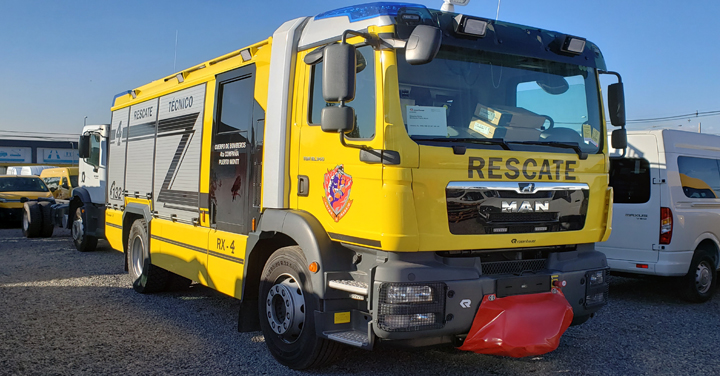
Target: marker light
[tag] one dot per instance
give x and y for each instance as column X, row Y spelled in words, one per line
column 573, row 45
column 470, row 25
column 180, row 78
column 246, row 55
column 366, row 11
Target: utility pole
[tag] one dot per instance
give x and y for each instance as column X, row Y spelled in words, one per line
column 699, row 127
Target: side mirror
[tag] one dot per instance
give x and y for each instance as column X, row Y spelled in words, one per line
column 339, row 62
column 616, row 104
column 84, row 146
column 619, row 139
column 423, row 44
column 337, row 119
column 52, row 189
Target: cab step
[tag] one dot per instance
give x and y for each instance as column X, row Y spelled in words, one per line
column 351, row 337
column 349, row 285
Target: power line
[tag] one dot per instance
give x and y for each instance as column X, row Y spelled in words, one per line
column 696, row 114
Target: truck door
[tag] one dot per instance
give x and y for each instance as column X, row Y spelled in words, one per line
column 234, row 176
column 332, row 181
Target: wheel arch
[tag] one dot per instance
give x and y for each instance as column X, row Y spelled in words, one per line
column 134, row 211
column 281, row 228
column 80, row 197
column 710, row 244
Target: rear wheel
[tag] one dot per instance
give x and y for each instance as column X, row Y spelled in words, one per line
column 48, row 223
column 32, row 220
column 83, row 241
column 286, row 306
column 700, row 282
column 146, row 277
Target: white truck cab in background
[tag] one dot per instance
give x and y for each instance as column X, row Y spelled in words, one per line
column 666, row 211
column 87, row 207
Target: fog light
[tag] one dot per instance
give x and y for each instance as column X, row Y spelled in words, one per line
column 595, row 299
column 596, row 277
column 394, row 322
column 409, row 294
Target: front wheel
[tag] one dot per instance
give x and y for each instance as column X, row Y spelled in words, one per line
column 83, row 241
column 700, row 281
column 287, row 305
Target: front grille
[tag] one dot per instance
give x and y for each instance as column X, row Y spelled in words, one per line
column 522, row 217
column 513, row 267
column 526, row 196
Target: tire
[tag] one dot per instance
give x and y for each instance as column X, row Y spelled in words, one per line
column 48, row 222
column 700, row 282
column 285, row 282
column 147, row 278
column 83, row 241
column 32, row 220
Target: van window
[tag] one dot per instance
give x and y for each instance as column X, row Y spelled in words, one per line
column 700, row 177
column 364, row 102
column 630, row 179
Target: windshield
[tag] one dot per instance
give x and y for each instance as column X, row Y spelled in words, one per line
column 29, row 184
column 468, row 96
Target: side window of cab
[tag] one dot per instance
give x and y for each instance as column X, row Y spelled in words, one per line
column 364, row 102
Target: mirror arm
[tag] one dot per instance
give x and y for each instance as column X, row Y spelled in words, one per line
column 616, row 74
column 342, row 138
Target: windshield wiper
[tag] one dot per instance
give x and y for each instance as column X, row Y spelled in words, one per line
column 470, row 140
column 566, row 145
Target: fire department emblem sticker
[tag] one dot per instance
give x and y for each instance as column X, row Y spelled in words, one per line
column 337, row 186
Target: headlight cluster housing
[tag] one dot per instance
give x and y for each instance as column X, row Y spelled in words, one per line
column 596, row 292
column 408, row 307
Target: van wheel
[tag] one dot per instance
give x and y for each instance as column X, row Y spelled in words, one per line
column 700, row 282
column 287, row 305
column 32, row 220
column 83, row 241
column 48, row 222
column 147, row 278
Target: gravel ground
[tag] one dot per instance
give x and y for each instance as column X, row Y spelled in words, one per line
column 63, row 312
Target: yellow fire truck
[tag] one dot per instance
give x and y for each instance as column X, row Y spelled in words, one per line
column 380, row 172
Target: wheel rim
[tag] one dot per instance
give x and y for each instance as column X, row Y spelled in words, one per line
column 25, row 224
column 703, row 277
column 136, row 255
column 77, row 229
column 285, row 308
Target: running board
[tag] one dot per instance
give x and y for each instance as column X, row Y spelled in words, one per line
column 349, row 285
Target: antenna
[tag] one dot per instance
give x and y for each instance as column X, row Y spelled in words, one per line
column 175, row 59
column 498, row 11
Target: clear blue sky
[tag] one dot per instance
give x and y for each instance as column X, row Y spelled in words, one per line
column 63, row 60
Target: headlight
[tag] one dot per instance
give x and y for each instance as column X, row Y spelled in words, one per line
column 596, row 278
column 409, row 294
column 595, row 299
column 406, row 307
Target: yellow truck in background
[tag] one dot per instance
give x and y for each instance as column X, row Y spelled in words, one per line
column 60, row 181
column 380, row 172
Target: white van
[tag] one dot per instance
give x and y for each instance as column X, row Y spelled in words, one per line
column 666, row 211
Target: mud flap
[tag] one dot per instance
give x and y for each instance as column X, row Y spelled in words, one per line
column 519, row 325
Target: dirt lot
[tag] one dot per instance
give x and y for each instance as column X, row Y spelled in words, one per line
column 64, row 312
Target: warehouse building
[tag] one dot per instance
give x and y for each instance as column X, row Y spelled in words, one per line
column 32, row 150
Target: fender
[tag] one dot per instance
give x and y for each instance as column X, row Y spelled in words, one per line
column 139, row 209
column 310, row 235
column 95, row 214
column 709, row 237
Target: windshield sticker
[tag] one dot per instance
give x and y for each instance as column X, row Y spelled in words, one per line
column 426, row 121
column 587, row 133
column 337, row 187
column 595, row 137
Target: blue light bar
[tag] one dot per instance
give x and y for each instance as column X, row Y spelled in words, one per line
column 365, row 11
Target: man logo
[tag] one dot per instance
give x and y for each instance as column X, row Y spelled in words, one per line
column 525, row 207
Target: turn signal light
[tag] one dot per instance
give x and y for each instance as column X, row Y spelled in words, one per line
column 666, row 225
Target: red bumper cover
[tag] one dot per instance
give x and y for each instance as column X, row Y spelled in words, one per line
column 519, row 325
